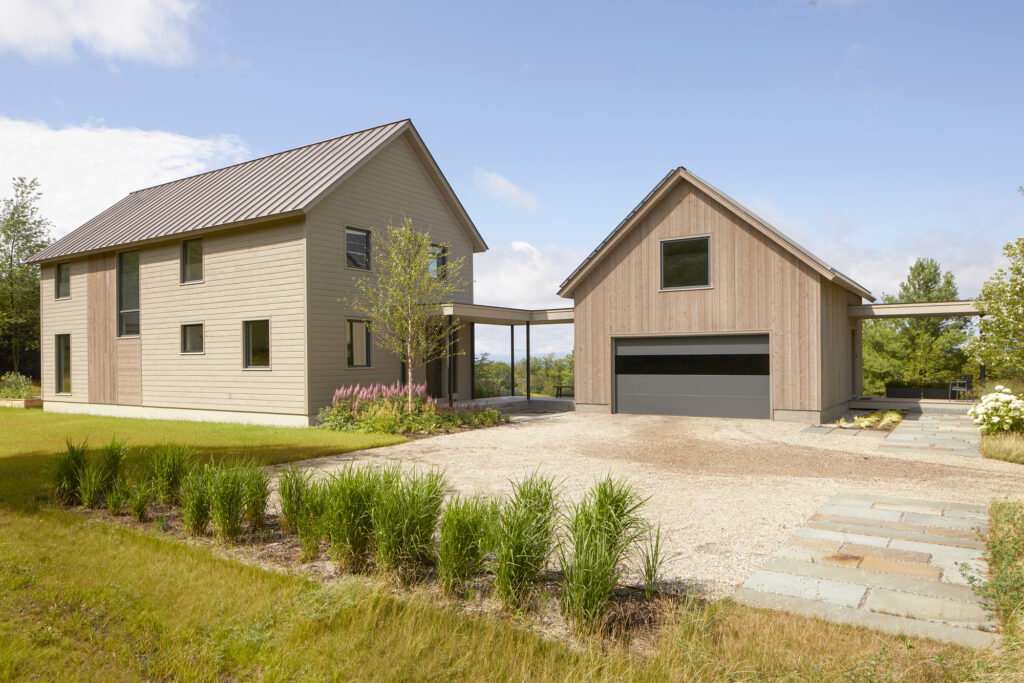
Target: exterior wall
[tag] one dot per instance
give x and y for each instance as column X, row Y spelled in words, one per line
column 840, row 348
column 756, row 286
column 65, row 316
column 389, row 188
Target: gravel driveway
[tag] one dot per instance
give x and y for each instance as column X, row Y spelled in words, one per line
column 727, row 493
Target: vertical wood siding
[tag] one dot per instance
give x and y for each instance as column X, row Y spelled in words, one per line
column 756, row 286
column 65, row 316
column 103, row 365
column 388, row 189
column 840, row 365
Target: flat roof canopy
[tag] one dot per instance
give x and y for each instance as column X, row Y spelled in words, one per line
column 499, row 315
column 925, row 309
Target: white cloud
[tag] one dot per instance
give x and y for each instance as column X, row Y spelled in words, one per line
column 147, row 30
column 84, row 169
column 499, row 187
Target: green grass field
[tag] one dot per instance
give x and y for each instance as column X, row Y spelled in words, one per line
column 86, row 599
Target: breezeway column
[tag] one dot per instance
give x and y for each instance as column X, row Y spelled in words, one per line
column 512, row 358
column 527, row 360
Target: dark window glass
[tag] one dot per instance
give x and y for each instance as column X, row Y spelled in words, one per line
column 192, row 338
column 358, row 344
column 63, row 283
column 707, row 364
column 257, row 343
column 192, row 260
column 438, row 261
column 128, row 294
column 357, row 248
column 63, row 359
column 684, row 263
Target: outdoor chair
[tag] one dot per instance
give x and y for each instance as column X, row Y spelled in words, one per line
column 961, row 388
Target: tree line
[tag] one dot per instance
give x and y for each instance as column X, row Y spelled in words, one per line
column 494, row 377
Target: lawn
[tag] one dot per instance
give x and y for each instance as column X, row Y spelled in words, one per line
column 1008, row 447
column 82, row 598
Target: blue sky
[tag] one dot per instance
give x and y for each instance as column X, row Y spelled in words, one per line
column 872, row 131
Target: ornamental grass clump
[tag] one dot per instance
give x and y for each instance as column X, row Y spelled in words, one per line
column 111, row 462
column 309, row 523
column 405, row 516
column 117, row 497
column 651, row 561
column 140, row 495
column 348, row 515
column 292, row 488
column 257, row 493
column 196, row 502
column 466, row 537
column 525, row 539
column 67, row 471
column 1000, row 412
column 227, row 501
column 600, row 533
column 168, row 464
column 92, row 485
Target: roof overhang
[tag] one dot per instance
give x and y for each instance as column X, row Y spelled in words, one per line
column 499, row 315
column 925, row 309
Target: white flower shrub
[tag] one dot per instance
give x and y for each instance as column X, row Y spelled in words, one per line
column 999, row 411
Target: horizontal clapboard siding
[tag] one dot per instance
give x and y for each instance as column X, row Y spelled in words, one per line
column 65, row 316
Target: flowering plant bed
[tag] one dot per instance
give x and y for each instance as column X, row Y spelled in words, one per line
column 999, row 412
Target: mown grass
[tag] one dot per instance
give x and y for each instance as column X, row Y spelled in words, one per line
column 1008, row 447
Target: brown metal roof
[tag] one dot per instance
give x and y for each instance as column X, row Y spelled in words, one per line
column 282, row 183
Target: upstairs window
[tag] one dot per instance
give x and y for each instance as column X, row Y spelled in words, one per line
column 359, row 343
column 192, row 261
column 256, row 343
column 357, row 248
column 684, row 263
column 128, row 294
column 438, row 261
column 62, row 286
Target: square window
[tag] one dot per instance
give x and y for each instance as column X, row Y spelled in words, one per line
column 256, row 343
column 192, row 338
column 438, row 261
column 62, row 358
column 357, row 248
column 62, row 282
column 684, row 263
column 192, row 261
column 359, row 344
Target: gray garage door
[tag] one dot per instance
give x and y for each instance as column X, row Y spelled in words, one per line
column 722, row 376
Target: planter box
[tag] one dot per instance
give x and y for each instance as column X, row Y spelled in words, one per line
column 936, row 392
column 903, row 392
column 21, row 403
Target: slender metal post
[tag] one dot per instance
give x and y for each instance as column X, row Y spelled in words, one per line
column 472, row 362
column 527, row 360
column 451, row 362
column 512, row 358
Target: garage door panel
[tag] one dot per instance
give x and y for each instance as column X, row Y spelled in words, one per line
column 711, row 344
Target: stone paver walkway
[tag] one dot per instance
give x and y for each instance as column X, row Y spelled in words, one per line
column 890, row 564
column 935, row 434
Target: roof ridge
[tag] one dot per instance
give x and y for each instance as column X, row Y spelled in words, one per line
column 267, row 156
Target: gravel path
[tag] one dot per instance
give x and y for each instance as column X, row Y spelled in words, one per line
column 727, row 493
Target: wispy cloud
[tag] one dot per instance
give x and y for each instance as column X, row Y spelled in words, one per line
column 499, row 187
column 155, row 31
column 83, row 169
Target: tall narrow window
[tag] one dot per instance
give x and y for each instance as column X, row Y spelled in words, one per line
column 438, row 261
column 359, row 344
column 62, row 357
column 256, row 343
column 192, row 338
column 128, row 294
column 192, row 261
column 357, row 248
column 62, row 286
column 684, row 263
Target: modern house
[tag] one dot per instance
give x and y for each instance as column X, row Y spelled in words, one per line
column 227, row 295
column 695, row 306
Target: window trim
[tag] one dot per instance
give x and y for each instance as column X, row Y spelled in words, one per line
column 58, row 369
column 661, row 263
column 117, row 296
column 56, row 281
column 245, row 345
column 202, row 262
column 181, row 338
column 369, row 249
column 350, row 352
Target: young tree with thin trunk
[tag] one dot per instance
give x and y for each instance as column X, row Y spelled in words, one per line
column 412, row 278
column 1000, row 342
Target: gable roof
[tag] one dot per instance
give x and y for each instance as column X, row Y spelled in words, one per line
column 660, row 190
column 281, row 185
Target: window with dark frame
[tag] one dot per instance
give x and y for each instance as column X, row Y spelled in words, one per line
column 192, row 338
column 128, row 294
column 256, row 343
column 62, row 288
column 438, row 261
column 359, row 344
column 685, row 263
column 62, row 358
column 357, row 248
column 192, row 261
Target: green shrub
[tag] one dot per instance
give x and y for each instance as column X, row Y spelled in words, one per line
column 257, row 494
column 140, row 496
column 466, row 536
column 310, row 521
column 117, row 497
column 168, row 464
column 111, row 462
column 348, row 515
column 14, row 385
column 405, row 516
column 525, row 539
column 292, row 488
column 1004, row 553
column 195, row 501
column 651, row 562
column 600, row 532
column 92, row 485
column 227, row 500
column 67, row 471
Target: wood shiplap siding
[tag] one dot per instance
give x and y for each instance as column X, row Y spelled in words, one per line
column 840, row 341
column 248, row 275
column 65, row 316
column 389, row 188
column 103, row 361
column 756, row 286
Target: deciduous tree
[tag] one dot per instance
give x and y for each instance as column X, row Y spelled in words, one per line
column 1000, row 343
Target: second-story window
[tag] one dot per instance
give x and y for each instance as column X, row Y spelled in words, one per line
column 192, row 261
column 438, row 261
column 357, row 248
column 62, row 282
column 128, row 294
